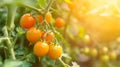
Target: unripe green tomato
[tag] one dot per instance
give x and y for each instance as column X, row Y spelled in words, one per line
column 104, row 58
column 105, row 50
column 113, row 56
column 86, row 38
column 94, row 52
column 86, row 50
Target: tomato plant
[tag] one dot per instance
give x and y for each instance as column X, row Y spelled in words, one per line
column 59, row 33
column 27, row 34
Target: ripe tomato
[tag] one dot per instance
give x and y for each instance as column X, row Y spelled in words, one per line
column 104, row 58
column 50, row 37
column 59, row 22
column 55, row 51
column 33, row 34
column 40, row 18
column 40, row 49
column 27, row 21
column 43, row 33
column 113, row 56
column 48, row 17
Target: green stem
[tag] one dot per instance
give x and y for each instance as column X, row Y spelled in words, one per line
column 64, row 65
column 3, row 38
column 22, row 42
column 11, row 15
column 12, row 53
column 33, row 8
column 9, row 44
column 5, row 53
column 49, row 5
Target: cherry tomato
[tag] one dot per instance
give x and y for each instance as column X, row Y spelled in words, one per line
column 33, row 34
column 104, row 58
column 48, row 17
column 49, row 37
column 59, row 22
column 27, row 21
column 105, row 50
column 86, row 50
column 94, row 52
column 40, row 18
column 55, row 51
column 40, row 48
column 113, row 56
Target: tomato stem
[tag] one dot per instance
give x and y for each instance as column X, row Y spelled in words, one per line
column 15, row 39
column 33, row 8
column 9, row 44
column 11, row 15
column 65, row 65
column 49, row 5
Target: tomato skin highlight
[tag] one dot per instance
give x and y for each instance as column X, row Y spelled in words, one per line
column 33, row 34
column 55, row 51
column 27, row 21
column 59, row 22
column 40, row 48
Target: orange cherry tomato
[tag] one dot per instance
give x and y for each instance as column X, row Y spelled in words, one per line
column 43, row 33
column 50, row 37
column 55, row 51
column 27, row 21
column 40, row 48
column 59, row 22
column 40, row 18
column 48, row 17
column 33, row 34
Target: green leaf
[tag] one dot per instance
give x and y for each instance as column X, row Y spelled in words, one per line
column 16, row 63
column 42, row 3
column 20, row 30
column 31, row 57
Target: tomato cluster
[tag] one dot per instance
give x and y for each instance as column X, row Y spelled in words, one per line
column 42, row 37
column 103, row 54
